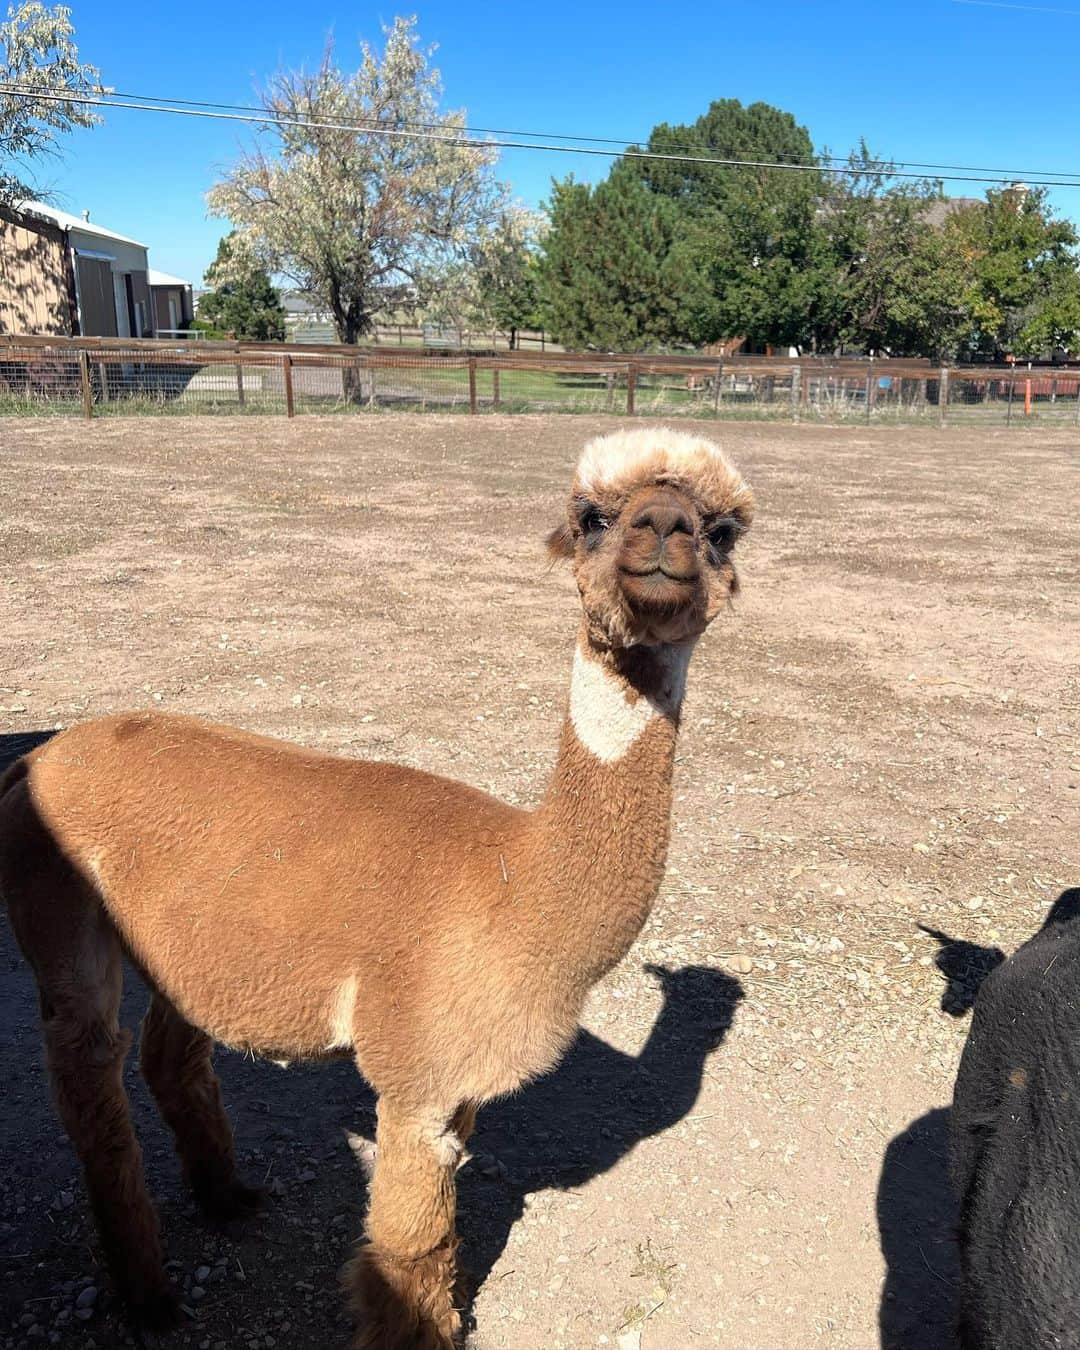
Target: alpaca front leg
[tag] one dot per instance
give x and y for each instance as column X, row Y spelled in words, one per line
column 402, row 1282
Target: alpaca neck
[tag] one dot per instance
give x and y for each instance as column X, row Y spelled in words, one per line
column 605, row 819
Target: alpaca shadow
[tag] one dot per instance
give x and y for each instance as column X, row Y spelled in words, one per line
column 591, row 1111
column 965, row 965
column 916, row 1216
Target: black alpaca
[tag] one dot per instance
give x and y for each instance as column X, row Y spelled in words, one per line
column 1016, row 1147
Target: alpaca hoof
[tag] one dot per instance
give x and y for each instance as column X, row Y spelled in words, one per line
column 404, row 1303
column 156, row 1312
column 231, row 1203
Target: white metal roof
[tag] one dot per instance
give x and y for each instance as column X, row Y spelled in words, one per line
column 156, row 278
column 67, row 221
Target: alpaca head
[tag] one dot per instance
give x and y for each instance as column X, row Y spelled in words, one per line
column 653, row 517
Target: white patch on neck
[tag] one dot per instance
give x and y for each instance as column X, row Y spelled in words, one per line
column 604, row 719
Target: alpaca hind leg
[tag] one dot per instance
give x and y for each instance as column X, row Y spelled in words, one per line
column 175, row 1059
column 402, row 1281
column 85, row 1049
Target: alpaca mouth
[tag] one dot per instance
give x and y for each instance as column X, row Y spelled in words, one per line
column 658, row 590
column 660, row 575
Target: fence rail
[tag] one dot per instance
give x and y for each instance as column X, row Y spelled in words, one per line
column 112, row 376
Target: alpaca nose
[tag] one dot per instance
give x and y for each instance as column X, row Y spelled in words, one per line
column 665, row 516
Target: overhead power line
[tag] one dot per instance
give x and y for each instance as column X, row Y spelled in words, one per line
column 375, row 123
column 464, row 140
column 874, row 165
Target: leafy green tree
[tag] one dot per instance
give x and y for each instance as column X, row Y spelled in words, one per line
column 891, row 281
column 353, row 216
column 241, row 300
column 508, row 273
column 1022, row 272
column 39, row 55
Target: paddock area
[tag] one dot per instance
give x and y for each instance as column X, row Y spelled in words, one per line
column 877, row 794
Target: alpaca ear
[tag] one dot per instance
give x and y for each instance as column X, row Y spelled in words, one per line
column 560, row 543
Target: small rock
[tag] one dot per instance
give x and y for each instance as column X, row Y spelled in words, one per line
column 87, row 1298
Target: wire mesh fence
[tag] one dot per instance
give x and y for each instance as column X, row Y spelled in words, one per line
column 102, row 377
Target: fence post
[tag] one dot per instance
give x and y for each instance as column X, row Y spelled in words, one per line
column 869, row 393
column 495, row 388
column 631, row 381
column 943, row 394
column 239, row 383
column 609, row 380
column 84, row 381
column 1076, row 390
column 718, row 392
column 1012, row 390
column 286, row 370
column 796, row 385
column 472, row 385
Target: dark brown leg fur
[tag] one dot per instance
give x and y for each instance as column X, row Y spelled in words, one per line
column 67, row 937
column 175, row 1059
column 86, row 1049
column 402, row 1303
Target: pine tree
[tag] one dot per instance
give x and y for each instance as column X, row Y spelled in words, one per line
column 241, row 301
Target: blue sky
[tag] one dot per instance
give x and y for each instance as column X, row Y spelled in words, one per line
column 932, row 80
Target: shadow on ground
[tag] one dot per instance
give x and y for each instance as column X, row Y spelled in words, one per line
column 578, row 1122
column 916, row 1214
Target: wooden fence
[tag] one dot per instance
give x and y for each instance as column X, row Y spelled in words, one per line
column 110, row 375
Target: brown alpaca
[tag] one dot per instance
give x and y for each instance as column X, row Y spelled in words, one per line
column 300, row 906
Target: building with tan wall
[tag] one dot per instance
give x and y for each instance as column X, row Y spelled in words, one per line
column 65, row 275
column 37, row 277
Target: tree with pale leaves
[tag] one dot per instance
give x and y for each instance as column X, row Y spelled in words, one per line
column 362, row 190
column 41, row 77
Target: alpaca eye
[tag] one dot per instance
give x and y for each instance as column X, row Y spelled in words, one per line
column 591, row 520
column 723, row 533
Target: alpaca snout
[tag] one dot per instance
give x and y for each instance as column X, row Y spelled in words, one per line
column 661, row 543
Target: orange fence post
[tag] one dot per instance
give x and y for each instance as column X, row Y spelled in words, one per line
column 1027, row 398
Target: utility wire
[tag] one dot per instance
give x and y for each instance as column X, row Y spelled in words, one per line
column 878, row 165
column 471, row 142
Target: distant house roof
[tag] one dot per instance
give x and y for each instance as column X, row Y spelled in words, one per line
column 293, row 303
column 937, row 212
column 67, row 221
column 156, row 278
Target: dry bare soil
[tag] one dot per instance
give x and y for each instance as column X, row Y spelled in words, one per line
column 746, row 1147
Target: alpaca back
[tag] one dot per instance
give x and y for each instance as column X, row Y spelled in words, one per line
column 1016, row 1150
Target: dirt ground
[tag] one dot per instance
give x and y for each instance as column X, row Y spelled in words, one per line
column 745, row 1150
